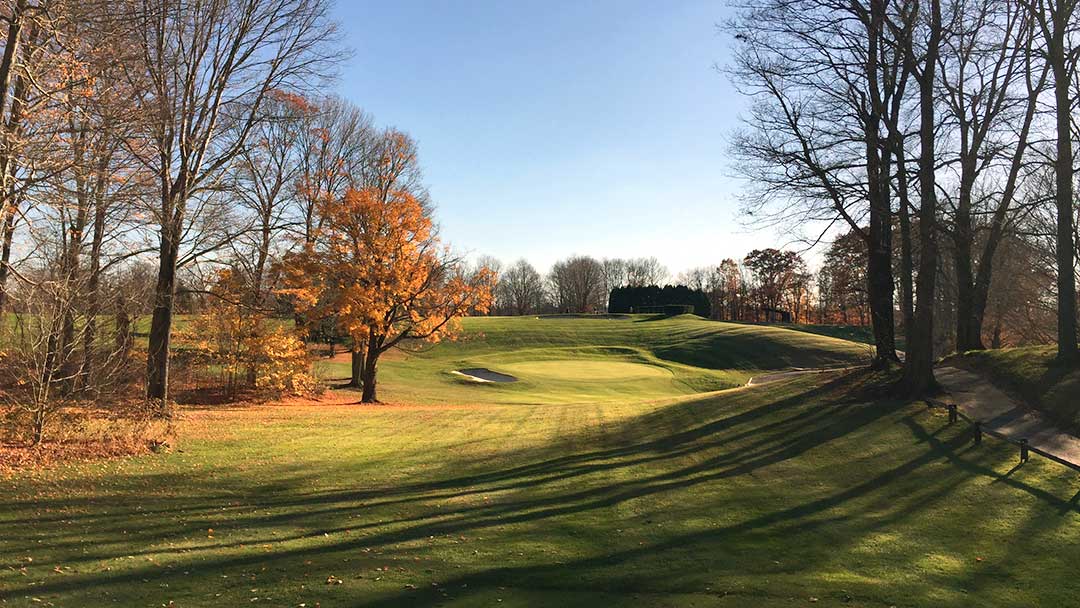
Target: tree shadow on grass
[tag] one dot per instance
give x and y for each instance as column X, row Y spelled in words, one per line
column 689, row 452
column 635, row 443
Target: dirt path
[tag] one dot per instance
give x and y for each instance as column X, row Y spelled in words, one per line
column 982, row 401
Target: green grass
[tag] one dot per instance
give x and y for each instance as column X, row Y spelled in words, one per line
column 818, row 488
column 854, row 333
column 575, row 360
column 1033, row 374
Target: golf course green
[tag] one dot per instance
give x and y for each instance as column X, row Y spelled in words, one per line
column 574, row 359
column 616, row 471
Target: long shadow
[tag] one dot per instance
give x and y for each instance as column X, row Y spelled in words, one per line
column 724, row 445
column 671, row 445
column 780, row 440
column 801, row 512
column 667, row 447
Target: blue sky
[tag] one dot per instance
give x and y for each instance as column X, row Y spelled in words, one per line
column 552, row 128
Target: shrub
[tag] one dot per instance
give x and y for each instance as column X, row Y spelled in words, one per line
column 246, row 348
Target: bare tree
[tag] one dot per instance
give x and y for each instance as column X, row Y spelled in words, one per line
column 616, row 273
column 28, row 77
column 44, row 341
column 923, row 63
column 645, row 271
column 207, row 68
column 264, row 185
column 990, row 90
column 1056, row 25
column 577, row 285
column 816, row 143
column 336, row 141
column 520, row 289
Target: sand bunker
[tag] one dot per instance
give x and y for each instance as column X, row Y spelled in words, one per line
column 482, row 374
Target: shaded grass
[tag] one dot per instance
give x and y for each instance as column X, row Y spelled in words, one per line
column 1033, row 374
column 820, row 487
column 856, row 333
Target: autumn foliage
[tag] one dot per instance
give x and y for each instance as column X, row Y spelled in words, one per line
column 378, row 269
column 246, row 347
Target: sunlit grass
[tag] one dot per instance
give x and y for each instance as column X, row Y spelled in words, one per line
column 576, row 360
column 821, row 490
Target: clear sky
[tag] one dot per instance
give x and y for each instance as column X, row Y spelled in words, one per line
column 550, row 128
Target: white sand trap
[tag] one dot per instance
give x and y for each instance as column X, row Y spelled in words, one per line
column 482, row 374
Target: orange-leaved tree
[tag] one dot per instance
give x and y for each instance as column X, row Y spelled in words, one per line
column 378, row 267
column 245, row 345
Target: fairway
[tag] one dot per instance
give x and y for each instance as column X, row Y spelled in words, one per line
column 574, row 359
column 586, row 371
column 604, row 476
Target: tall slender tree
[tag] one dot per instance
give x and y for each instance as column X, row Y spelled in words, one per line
column 1055, row 23
column 923, row 59
column 990, row 93
column 207, row 65
column 815, row 146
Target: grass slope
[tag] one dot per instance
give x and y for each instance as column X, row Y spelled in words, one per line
column 811, row 491
column 620, row 357
column 854, row 333
column 1033, row 374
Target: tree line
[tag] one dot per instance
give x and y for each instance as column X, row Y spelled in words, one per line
column 766, row 285
column 940, row 133
column 772, row 285
column 157, row 154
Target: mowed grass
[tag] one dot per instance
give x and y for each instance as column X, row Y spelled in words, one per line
column 616, row 358
column 854, row 333
column 812, row 491
column 821, row 490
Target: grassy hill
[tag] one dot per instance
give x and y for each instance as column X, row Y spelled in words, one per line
column 568, row 359
column 854, row 333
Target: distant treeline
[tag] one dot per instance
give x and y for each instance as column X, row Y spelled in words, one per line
column 767, row 285
column 648, row 298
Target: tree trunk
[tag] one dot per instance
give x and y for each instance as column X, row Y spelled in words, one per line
column 356, row 379
column 880, row 287
column 1066, row 280
column 371, row 361
column 7, row 63
column 907, row 270
column 879, row 245
column 13, row 198
column 93, row 288
column 157, row 360
column 968, row 324
column 93, row 309
column 5, row 257
column 907, row 265
column 968, row 321
column 985, row 272
column 919, row 364
column 123, row 328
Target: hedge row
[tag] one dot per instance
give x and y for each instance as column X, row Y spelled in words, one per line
column 669, row 299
